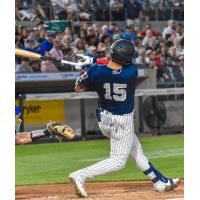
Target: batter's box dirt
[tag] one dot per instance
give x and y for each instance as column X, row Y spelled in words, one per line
column 137, row 190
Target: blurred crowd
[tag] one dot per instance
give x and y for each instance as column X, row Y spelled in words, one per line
column 154, row 49
column 98, row 10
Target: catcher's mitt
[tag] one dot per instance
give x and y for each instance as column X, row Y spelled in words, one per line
column 60, row 130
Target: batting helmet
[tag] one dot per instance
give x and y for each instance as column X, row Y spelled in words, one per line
column 122, row 51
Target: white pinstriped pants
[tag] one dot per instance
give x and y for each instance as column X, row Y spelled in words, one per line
column 124, row 143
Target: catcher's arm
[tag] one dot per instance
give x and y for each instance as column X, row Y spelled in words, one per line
column 23, row 138
column 28, row 137
column 53, row 128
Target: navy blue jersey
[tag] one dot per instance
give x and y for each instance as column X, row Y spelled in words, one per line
column 115, row 89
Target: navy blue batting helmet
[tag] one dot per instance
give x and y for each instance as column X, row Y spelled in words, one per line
column 122, row 51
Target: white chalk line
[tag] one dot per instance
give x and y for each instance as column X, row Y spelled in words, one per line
column 175, row 199
column 156, row 154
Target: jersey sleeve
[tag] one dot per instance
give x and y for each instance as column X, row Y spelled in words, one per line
column 86, row 79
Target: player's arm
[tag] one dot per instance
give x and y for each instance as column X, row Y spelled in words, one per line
column 79, row 89
column 83, row 82
column 23, row 138
column 28, row 137
column 56, row 129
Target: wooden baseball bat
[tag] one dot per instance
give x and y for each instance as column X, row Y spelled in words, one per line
column 28, row 54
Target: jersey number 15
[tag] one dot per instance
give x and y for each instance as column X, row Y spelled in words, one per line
column 119, row 91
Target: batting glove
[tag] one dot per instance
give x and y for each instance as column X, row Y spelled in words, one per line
column 88, row 61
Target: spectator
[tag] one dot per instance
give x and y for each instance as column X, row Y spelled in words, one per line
column 116, row 7
column 42, row 34
column 149, row 60
column 178, row 47
column 91, row 38
column 18, row 15
column 163, row 50
column 131, row 33
column 79, row 44
column 151, row 44
column 91, row 51
column 147, row 27
column 180, row 32
column 19, row 38
column 104, row 44
column 149, row 36
column 102, row 47
column 94, row 40
column 119, row 31
column 33, row 36
column 19, row 30
column 25, row 33
column 25, row 11
column 95, row 29
column 47, row 65
column 66, row 43
column 69, row 32
column 24, row 66
column 29, row 45
column 104, row 31
column 85, row 9
column 101, row 8
column 140, row 60
column 133, row 10
column 35, row 65
column 82, row 34
column 41, row 25
column 59, row 35
column 47, row 44
column 112, row 28
column 168, row 41
column 116, row 37
column 169, row 29
column 56, row 51
column 70, row 14
column 181, row 59
column 38, row 5
column 173, row 60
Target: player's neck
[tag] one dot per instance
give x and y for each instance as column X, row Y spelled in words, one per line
column 114, row 65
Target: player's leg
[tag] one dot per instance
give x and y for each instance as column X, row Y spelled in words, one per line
column 121, row 143
column 161, row 183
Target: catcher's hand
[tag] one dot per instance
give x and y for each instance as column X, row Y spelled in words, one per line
column 23, row 138
column 60, row 130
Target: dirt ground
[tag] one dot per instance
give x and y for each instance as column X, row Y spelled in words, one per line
column 137, row 190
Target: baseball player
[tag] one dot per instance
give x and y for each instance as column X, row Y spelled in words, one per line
column 115, row 85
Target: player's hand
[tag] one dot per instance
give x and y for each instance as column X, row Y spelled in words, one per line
column 87, row 61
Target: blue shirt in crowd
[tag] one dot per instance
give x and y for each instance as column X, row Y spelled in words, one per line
column 133, row 10
column 45, row 46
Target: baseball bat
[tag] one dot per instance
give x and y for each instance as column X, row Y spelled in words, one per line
column 28, row 54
